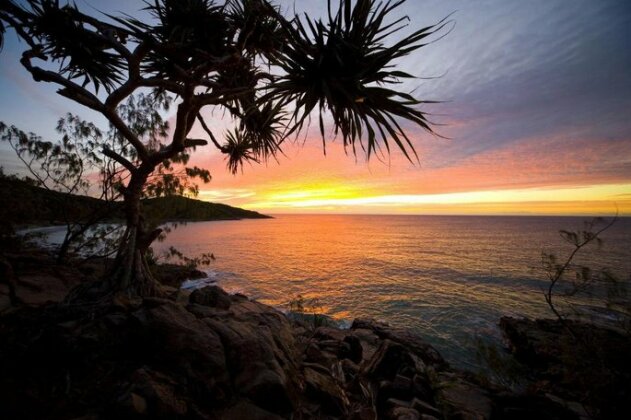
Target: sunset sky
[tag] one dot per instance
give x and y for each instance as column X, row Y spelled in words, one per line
column 536, row 119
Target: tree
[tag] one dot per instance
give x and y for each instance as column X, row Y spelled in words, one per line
column 582, row 281
column 268, row 72
column 64, row 166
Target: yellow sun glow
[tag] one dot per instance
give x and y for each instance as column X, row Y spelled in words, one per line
column 596, row 199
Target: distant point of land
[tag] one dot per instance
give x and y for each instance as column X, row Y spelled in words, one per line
column 33, row 205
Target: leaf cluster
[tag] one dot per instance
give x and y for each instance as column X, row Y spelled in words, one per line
column 344, row 66
column 583, row 282
column 267, row 71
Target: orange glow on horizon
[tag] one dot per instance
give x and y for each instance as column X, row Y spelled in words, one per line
column 330, row 198
column 535, row 176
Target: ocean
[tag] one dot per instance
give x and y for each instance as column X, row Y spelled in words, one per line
column 448, row 278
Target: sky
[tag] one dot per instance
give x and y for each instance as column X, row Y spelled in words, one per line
column 535, row 119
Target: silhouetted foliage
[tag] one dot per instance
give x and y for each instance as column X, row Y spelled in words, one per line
column 65, row 167
column 582, row 282
column 266, row 71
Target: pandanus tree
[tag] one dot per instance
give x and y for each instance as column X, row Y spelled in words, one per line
column 268, row 72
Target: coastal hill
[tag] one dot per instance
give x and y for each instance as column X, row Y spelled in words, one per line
column 25, row 203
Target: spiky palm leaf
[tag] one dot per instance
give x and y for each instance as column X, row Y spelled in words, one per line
column 257, row 138
column 2, row 31
column 190, row 36
column 344, row 67
column 264, row 126
column 238, row 150
column 258, row 25
column 64, row 38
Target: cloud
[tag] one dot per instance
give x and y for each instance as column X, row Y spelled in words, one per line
column 227, row 194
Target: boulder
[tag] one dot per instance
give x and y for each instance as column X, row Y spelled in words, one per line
column 369, row 341
column 212, row 296
column 404, row 413
column 459, row 398
column 388, row 361
column 260, row 354
column 356, row 351
column 576, row 361
column 534, row 407
column 364, row 413
column 350, row 370
column 326, row 392
column 244, row 409
column 170, row 338
column 421, row 387
column 425, row 408
column 313, row 354
column 158, row 395
column 413, row 342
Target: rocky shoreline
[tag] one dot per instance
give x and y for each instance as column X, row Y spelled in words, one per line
column 211, row 355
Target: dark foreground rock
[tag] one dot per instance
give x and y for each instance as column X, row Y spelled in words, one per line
column 213, row 355
column 583, row 367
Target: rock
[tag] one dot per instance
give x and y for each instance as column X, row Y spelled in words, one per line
column 203, row 311
column 350, row 369
column 212, row 296
column 402, row 384
column 389, row 391
column 138, row 403
column 571, row 406
column 391, row 405
column 404, row 413
column 369, row 341
column 222, row 356
column 389, row 360
column 461, row 399
column 323, row 389
column 157, row 394
column 260, row 354
column 364, row 413
column 413, row 342
column 329, row 333
column 339, row 348
column 172, row 338
column 313, row 354
column 590, row 364
column 421, row 388
column 534, row 407
column 356, row 351
column 132, row 404
column 174, row 275
column 425, row 408
column 246, row 410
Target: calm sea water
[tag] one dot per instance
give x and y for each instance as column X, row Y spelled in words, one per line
column 450, row 278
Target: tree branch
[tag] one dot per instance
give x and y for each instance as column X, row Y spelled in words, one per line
column 210, row 133
column 70, row 89
column 195, row 142
column 119, row 158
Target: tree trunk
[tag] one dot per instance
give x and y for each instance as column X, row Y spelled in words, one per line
column 131, row 275
column 7, row 274
column 62, row 254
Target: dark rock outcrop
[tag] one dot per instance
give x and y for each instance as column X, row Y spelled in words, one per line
column 212, row 296
column 214, row 355
column 581, row 367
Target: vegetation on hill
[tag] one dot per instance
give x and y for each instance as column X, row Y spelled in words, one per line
column 24, row 203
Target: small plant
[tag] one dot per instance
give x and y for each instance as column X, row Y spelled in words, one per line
column 190, row 262
column 308, row 311
column 582, row 281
